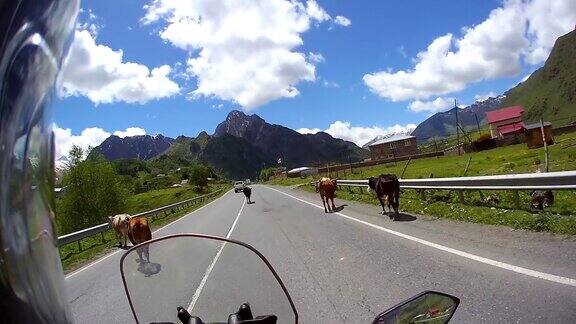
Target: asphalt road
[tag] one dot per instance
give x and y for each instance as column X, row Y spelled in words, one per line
column 340, row 267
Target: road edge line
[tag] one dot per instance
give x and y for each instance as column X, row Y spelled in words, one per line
column 498, row 264
column 73, row 273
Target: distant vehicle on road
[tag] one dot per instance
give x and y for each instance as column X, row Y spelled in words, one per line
column 247, row 182
column 239, row 186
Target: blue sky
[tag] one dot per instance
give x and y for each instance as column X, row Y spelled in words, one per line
column 350, row 67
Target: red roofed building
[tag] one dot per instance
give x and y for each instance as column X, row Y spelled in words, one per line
column 506, row 121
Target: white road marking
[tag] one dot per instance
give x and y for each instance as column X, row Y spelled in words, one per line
column 211, row 266
column 71, row 274
column 507, row 266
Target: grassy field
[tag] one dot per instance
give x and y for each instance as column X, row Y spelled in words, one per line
column 93, row 247
column 559, row 218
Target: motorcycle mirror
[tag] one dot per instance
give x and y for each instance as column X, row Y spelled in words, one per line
column 205, row 276
column 427, row 307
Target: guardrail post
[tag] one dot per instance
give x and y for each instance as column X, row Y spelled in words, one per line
column 102, row 236
column 79, row 245
column 461, row 196
column 516, row 197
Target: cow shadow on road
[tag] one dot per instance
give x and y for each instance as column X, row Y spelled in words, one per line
column 405, row 218
column 339, row 208
column 149, row 268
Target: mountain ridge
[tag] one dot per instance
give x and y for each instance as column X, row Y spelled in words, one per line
column 240, row 146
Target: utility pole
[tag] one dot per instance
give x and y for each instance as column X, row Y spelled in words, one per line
column 477, row 124
column 545, row 144
column 457, row 131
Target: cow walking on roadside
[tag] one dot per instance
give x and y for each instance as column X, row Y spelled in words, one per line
column 327, row 189
column 139, row 232
column 387, row 187
column 120, row 225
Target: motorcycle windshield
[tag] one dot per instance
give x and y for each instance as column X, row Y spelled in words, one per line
column 210, row 277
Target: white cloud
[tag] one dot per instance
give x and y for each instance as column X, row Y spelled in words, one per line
column 525, row 77
column 360, row 135
column 130, row 131
column 547, row 20
column 484, row 96
column 92, row 136
column 316, row 12
column 240, row 51
column 64, row 139
column 87, row 20
column 99, row 73
column 305, row 130
column 315, row 57
column 342, row 21
column 491, row 49
column 432, row 106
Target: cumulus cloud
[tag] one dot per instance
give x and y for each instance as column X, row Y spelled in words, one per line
column 99, row 73
column 494, row 48
column 305, row 130
column 241, row 51
column 315, row 57
column 484, row 96
column 316, row 12
column 87, row 20
column 342, row 21
column 89, row 137
column 130, row 131
column 359, row 135
column 432, row 106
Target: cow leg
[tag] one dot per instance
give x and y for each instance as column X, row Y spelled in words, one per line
column 147, row 252
column 382, row 203
column 333, row 207
column 324, row 204
column 396, row 203
column 139, row 251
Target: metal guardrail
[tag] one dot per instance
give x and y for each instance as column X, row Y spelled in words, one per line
column 564, row 180
column 76, row 236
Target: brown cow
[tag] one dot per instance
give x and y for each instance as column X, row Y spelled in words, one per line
column 120, row 224
column 138, row 232
column 327, row 188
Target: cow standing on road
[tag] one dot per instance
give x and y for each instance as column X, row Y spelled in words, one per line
column 247, row 192
column 327, row 189
column 387, row 187
column 139, row 232
column 120, row 225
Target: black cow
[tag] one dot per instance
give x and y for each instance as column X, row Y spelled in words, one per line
column 247, row 192
column 541, row 199
column 387, row 187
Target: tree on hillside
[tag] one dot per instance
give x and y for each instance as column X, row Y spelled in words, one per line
column 93, row 192
column 75, row 155
column 198, row 175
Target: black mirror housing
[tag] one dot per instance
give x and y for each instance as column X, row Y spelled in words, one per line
column 429, row 307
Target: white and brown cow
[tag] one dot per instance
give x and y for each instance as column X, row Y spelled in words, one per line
column 120, row 224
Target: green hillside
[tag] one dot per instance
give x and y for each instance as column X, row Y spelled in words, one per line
column 232, row 157
column 550, row 92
